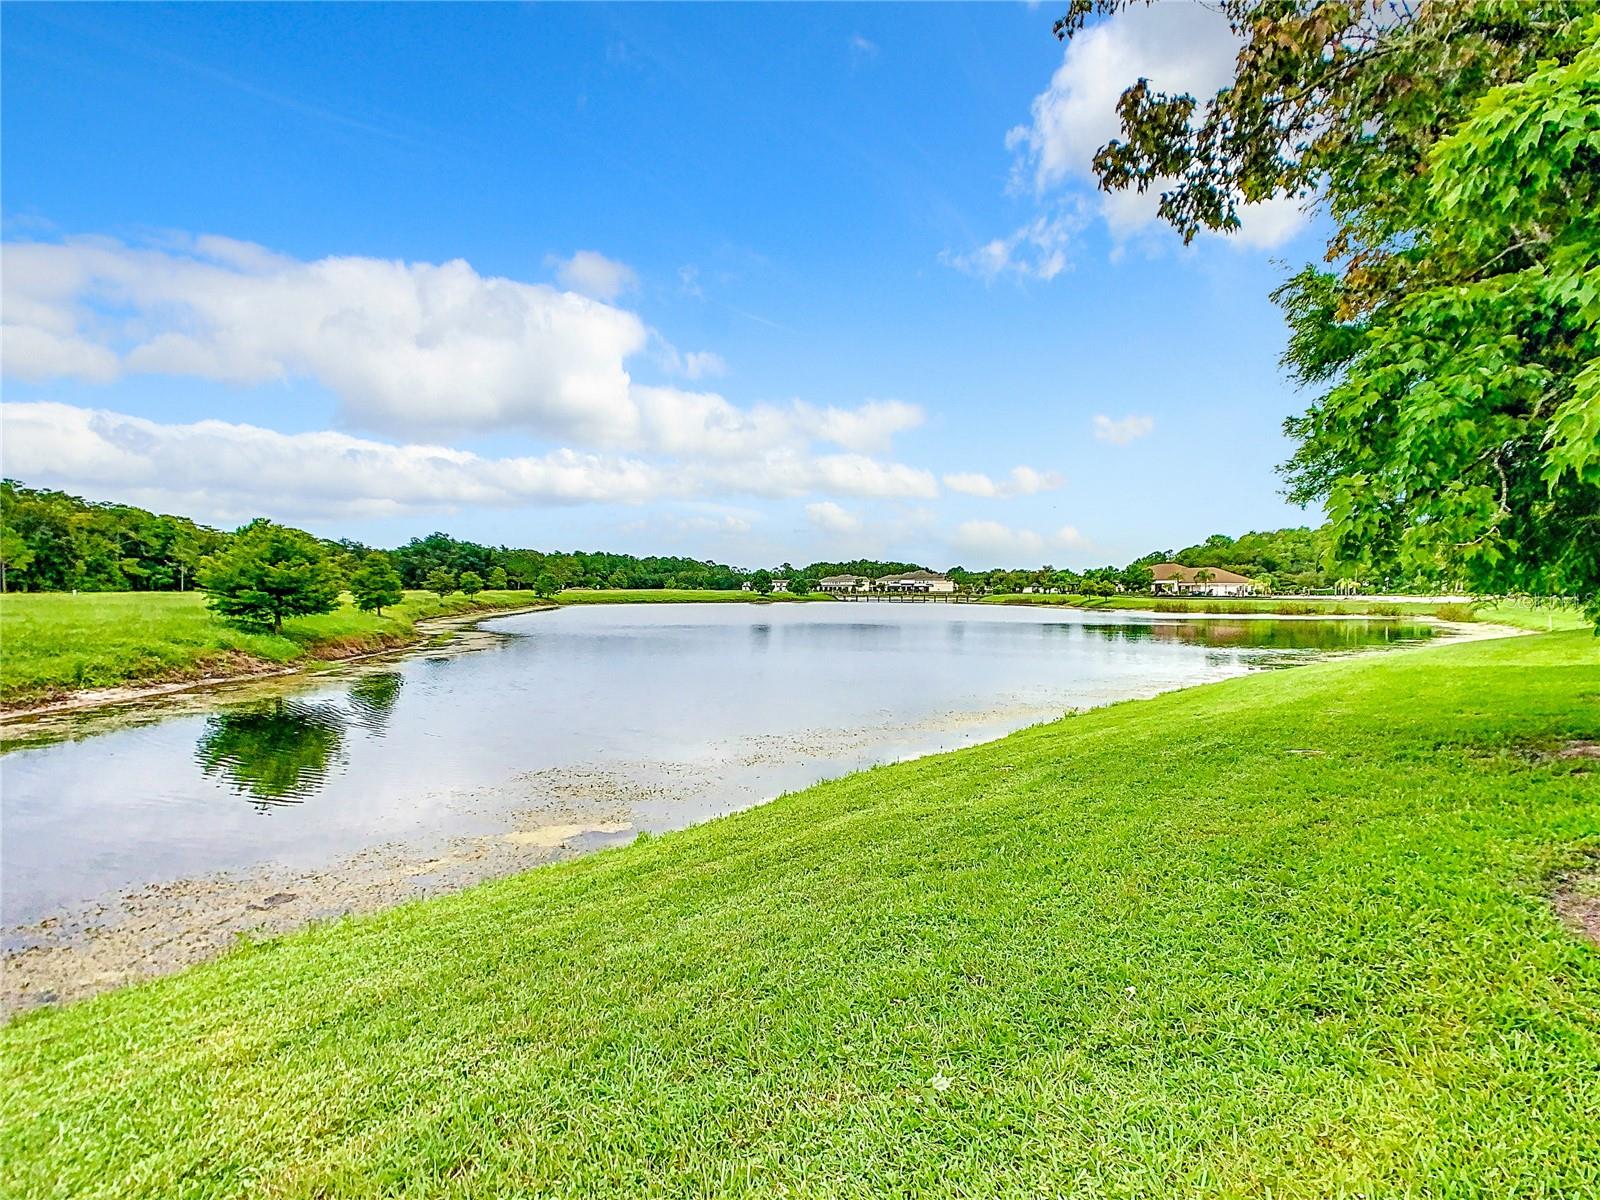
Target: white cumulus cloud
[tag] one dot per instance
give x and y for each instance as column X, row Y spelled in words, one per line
column 415, row 350
column 1068, row 538
column 700, row 364
column 1022, row 481
column 784, row 473
column 593, row 274
column 869, row 427
column 1037, row 250
column 831, row 518
column 220, row 469
column 991, row 543
column 407, row 347
column 1122, row 430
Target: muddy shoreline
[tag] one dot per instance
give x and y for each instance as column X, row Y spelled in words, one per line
column 535, row 818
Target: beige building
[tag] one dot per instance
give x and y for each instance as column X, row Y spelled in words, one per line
column 1174, row 579
column 916, row 581
column 844, row 583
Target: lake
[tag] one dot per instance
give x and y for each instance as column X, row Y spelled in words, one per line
column 146, row 841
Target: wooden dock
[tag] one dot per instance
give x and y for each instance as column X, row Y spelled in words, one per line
column 905, row 597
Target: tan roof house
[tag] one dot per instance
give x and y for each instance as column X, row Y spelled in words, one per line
column 844, row 583
column 1174, row 579
column 917, row 581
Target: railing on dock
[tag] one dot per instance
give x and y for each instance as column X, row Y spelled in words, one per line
column 908, row 597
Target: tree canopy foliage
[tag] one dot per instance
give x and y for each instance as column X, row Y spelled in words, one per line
column 57, row 542
column 1454, row 330
column 1284, row 560
column 268, row 572
column 440, row 582
column 375, row 583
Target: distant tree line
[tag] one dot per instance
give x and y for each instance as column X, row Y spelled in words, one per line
column 53, row 541
column 419, row 558
column 1280, row 560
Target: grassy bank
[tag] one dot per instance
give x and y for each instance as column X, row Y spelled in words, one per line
column 1543, row 618
column 1286, row 935
column 53, row 643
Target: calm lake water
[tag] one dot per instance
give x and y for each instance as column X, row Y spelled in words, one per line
column 610, row 719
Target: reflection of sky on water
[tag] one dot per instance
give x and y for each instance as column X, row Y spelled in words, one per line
column 443, row 744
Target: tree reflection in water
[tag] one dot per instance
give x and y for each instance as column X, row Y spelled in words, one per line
column 277, row 752
column 1267, row 634
column 374, row 697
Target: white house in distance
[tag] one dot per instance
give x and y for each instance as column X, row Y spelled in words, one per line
column 844, row 583
column 1174, row 579
column 917, row 581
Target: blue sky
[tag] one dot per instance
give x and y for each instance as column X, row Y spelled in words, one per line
column 752, row 283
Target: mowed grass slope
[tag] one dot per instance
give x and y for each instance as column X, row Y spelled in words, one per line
column 1285, row 935
column 53, row 642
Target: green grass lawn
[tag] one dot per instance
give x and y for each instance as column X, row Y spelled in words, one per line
column 1282, row 936
column 54, row 642
column 1538, row 618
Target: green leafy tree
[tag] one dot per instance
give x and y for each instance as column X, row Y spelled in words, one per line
column 14, row 555
column 761, row 582
column 497, row 579
column 1455, row 333
column 471, row 583
column 1138, row 577
column 799, row 585
column 269, row 572
column 184, row 553
column 1460, row 439
column 441, row 582
column 546, row 585
column 376, row 583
